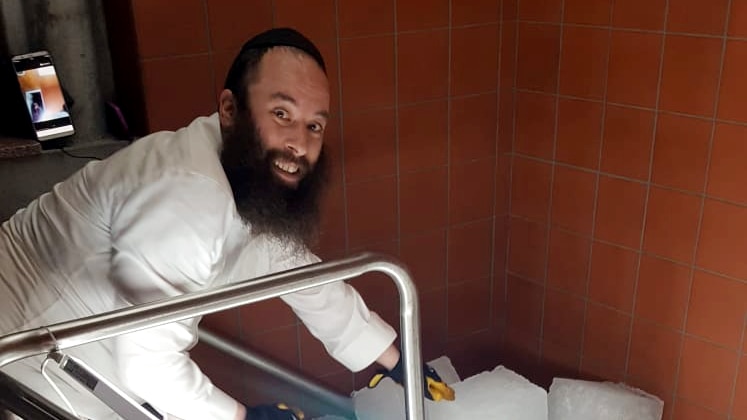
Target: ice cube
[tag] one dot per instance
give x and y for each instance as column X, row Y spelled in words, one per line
column 500, row 394
column 571, row 399
column 445, row 369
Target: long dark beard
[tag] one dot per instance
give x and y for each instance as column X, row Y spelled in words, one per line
column 290, row 214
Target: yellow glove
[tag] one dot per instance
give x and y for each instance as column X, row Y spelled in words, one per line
column 435, row 389
column 438, row 389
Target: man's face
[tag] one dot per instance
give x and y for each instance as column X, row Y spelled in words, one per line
column 273, row 151
column 289, row 103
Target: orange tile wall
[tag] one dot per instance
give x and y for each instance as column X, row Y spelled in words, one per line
column 415, row 89
column 564, row 179
column 628, row 206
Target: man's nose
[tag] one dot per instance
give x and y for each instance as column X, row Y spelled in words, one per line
column 297, row 140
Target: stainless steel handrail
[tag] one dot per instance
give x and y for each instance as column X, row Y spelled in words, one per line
column 64, row 335
column 265, row 364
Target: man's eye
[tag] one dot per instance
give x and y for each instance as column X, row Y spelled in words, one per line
column 316, row 128
column 280, row 113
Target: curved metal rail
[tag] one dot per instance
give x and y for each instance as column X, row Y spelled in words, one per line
column 64, row 335
column 277, row 370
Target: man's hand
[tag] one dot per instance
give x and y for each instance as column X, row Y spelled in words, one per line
column 434, row 388
column 278, row 411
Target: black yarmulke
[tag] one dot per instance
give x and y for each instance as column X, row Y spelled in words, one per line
column 285, row 37
column 271, row 38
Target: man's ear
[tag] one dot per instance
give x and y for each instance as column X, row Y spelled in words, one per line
column 227, row 108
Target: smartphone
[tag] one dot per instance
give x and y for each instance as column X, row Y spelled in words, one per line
column 42, row 95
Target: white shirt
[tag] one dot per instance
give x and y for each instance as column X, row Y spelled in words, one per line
column 154, row 220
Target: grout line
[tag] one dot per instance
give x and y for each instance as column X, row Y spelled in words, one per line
column 426, row 101
column 637, row 30
column 733, row 396
column 364, row 109
column 210, row 52
column 174, row 56
column 341, row 128
column 647, row 186
column 733, row 122
column 242, row 336
column 491, row 288
column 699, row 226
column 716, row 414
column 590, row 237
column 465, row 335
column 636, row 107
column 512, row 156
column 380, row 35
column 447, row 234
column 469, row 280
column 621, row 312
column 431, row 168
column 597, row 175
column 398, row 188
column 548, row 217
column 449, row 26
column 719, row 274
column 502, row 318
column 638, row 181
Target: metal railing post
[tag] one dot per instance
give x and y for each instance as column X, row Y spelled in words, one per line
column 277, row 370
column 64, row 335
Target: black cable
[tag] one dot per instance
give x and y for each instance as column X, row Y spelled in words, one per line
column 79, row 156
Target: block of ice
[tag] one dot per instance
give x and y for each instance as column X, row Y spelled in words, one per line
column 498, row 395
column 445, row 369
column 571, row 399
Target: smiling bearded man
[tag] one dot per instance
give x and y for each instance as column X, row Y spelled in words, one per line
column 229, row 197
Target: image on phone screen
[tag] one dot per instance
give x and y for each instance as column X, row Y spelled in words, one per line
column 35, row 103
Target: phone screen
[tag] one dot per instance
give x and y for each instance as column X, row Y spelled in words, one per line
column 42, row 95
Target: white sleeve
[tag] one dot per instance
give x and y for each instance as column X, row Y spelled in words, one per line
column 337, row 315
column 167, row 239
